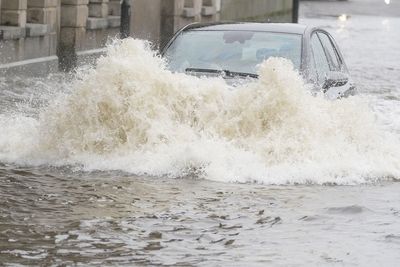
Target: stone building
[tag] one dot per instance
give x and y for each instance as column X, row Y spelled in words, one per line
column 53, row 33
column 49, row 30
column 171, row 15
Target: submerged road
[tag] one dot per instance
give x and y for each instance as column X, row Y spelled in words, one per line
column 384, row 8
column 58, row 214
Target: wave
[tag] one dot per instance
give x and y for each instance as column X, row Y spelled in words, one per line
column 131, row 113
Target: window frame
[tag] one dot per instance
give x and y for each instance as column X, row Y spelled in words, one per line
column 327, row 54
column 318, row 79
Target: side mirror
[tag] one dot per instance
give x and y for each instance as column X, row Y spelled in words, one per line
column 335, row 79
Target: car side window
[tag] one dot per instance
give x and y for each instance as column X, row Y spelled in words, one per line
column 331, row 52
column 320, row 59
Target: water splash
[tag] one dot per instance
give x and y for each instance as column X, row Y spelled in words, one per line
column 130, row 113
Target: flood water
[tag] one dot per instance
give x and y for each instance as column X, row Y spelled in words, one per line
column 68, row 198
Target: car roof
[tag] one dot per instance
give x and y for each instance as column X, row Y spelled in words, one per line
column 248, row 26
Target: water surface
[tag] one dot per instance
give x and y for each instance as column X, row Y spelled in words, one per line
column 55, row 212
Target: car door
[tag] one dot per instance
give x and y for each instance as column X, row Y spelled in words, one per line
column 320, row 61
column 331, row 73
column 337, row 66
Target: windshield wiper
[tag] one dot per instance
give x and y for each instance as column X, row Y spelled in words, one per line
column 225, row 73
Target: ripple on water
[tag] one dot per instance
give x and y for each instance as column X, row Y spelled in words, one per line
column 393, row 238
column 352, row 209
column 61, row 216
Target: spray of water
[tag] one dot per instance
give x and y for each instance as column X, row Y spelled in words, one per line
column 130, row 113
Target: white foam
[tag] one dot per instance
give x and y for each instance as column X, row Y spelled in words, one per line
column 132, row 114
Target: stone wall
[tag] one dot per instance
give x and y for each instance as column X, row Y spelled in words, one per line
column 146, row 19
column 60, row 30
column 259, row 10
column 32, row 29
column 158, row 20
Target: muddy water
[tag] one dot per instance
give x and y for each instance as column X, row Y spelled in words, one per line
column 54, row 211
column 119, row 219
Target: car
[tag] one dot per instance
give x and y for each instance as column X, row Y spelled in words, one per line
column 234, row 50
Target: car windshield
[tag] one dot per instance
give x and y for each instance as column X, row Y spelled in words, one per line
column 236, row 51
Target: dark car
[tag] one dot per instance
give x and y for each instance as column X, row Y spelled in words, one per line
column 234, row 50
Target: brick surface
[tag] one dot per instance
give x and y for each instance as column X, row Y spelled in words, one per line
column 98, row 10
column 44, row 16
column 13, row 18
column 53, row 40
column 208, row 10
column 14, row 4
column 114, row 8
column 172, row 7
column 114, row 21
column 72, row 36
column 42, row 3
column 74, row 16
column 97, row 23
column 12, row 32
column 36, row 29
column 98, row 1
column 189, row 12
column 74, row 2
column 36, row 46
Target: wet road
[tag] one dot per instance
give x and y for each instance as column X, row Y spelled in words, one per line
column 368, row 37
column 116, row 219
column 61, row 216
column 331, row 8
